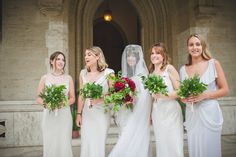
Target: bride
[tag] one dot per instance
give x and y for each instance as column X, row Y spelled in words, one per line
column 134, row 125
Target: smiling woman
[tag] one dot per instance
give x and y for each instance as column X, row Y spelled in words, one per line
column 57, row 124
column 204, row 125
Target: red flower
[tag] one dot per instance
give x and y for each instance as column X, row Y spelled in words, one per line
column 119, row 86
column 130, row 83
column 128, row 98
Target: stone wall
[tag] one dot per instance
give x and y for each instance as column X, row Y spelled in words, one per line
column 23, row 52
column 217, row 25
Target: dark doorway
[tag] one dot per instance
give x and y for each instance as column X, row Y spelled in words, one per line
column 112, row 41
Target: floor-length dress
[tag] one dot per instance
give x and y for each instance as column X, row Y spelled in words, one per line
column 134, row 138
column 95, row 122
column 57, row 127
column 168, row 124
column 204, row 123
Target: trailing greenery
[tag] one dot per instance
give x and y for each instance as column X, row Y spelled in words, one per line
column 54, row 97
column 91, row 90
column 191, row 87
column 155, row 84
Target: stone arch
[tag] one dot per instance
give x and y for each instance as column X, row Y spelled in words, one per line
column 153, row 18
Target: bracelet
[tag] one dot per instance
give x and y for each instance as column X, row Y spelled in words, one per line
column 79, row 113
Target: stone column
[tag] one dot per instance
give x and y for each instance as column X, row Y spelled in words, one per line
column 57, row 33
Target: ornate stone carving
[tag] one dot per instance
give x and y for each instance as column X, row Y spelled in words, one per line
column 51, row 8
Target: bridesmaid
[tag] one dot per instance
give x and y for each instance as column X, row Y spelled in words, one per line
column 94, row 122
column 204, row 125
column 166, row 113
column 57, row 130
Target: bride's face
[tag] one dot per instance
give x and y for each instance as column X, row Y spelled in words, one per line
column 131, row 60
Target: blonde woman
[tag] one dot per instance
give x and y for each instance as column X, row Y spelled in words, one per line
column 204, row 125
column 92, row 119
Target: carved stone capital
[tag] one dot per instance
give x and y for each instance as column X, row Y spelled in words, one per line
column 51, row 8
column 205, row 12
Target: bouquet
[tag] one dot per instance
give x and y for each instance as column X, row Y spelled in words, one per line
column 191, row 87
column 121, row 93
column 155, row 84
column 92, row 91
column 54, row 97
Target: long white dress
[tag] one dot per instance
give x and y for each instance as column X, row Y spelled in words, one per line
column 95, row 122
column 168, row 124
column 57, row 128
column 204, row 124
column 134, row 138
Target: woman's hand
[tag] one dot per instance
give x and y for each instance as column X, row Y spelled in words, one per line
column 96, row 101
column 159, row 96
column 196, row 99
column 78, row 120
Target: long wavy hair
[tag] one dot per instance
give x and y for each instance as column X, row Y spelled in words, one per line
column 101, row 63
column 161, row 49
column 205, row 53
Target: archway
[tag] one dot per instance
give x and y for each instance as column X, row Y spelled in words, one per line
column 111, row 40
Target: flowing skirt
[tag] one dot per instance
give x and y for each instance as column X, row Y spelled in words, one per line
column 94, row 130
column 168, row 128
column 204, row 127
column 57, row 133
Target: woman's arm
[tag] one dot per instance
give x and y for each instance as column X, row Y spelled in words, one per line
column 80, row 105
column 71, row 95
column 175, row 80
column 39, row 100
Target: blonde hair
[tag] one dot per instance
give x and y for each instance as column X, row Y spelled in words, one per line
column 159, row 48
column 101, row 63
column 205, row 53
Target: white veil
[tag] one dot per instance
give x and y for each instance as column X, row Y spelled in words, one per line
column 135, row 137
column 139, row 68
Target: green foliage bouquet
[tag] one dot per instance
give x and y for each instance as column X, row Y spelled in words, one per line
column 155, row 84
column 54, row 97
column 191, row 87
column 91, row 90
column 121, row 93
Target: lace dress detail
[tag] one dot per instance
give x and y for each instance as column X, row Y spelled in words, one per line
column 57, row 129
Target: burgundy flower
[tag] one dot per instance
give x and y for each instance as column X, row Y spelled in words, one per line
column 128, row 98
column 132, row 85
column 119, row 86
column 130, row 82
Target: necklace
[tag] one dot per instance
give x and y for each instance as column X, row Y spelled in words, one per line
column 57, row 74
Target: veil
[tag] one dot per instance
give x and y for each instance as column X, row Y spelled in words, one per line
column 135, row 137
column 139, row 68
